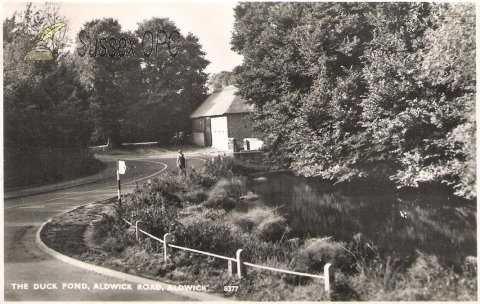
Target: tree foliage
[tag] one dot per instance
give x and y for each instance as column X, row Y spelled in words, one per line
column 90, row 97
column 112, row 82
column 362, row 90
column 44, row 104
column 221, row 80
column 143, row 98
column 171, row 87
column 57, row 108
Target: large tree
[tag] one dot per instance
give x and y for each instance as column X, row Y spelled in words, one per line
column 44, row 104
column 418, row 112
column 172, row 82
column 148, row 93
column 222, row 79
column 302, row 70
column 113, row 83
column 46, row 111
column 354, row 90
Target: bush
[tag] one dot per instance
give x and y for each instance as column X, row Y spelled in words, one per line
column 226, row 193
column 248, row 222
column 110, row 236
column 315, row 253
column 272, row 230
column 155, row 207
column 264, row 224
column 203, row 179
column 101, row 228
column 195, row 195
column 207, row 232
column 427, row 280
column 228, row 167
column 168, row 186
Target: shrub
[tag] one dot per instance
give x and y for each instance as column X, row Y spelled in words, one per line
column 168, row 186
column 203, row 179
column 315, row 253
column 427, row 280
column 157, row 214
column 272, row 230
column 247, row 222
column 101, row 228
column 110, row 236
column 264, row 224
column 207, row 232
column 195, row 195
column 228, row 167
column 191, row 210
column 226, row 193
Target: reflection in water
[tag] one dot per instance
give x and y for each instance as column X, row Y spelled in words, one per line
column 399, row 224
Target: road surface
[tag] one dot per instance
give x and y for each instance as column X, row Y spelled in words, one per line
column 25, row 264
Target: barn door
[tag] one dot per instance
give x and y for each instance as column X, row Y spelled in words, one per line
column 220, row 133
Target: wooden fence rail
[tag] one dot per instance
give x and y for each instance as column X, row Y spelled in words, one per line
column 236, row 265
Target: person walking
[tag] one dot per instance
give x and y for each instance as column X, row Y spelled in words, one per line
column 181, row 163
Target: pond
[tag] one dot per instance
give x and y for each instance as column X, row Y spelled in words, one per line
column 432, row 222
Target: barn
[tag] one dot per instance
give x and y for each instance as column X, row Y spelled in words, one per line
column 221, row 121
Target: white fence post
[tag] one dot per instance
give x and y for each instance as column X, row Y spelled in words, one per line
column 137, row 231
column 329, row 276
column 240, row 266
column 232, row 267
column 167, row 238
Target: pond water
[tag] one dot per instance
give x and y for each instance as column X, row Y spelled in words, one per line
column 431, row 222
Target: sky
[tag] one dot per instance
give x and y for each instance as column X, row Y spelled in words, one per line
column 211, row 22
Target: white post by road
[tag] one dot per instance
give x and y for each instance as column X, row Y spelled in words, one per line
column 118, row 182
column 121, row 169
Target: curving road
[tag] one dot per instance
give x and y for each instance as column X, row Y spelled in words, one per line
column 25, row 264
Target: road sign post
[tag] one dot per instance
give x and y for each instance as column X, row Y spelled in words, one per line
column 118, row 183
column 121, row 168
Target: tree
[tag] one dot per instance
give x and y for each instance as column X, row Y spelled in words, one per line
column 449, row 78
column 38, row 95
column 421, row 95
column 171, row 87
column 393, row 116
column 305, row 81
column 113, row 83
column 46, row 111
column 363, row 90
column 221, row 80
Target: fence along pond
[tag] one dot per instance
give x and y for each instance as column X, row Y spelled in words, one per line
column 235, row 265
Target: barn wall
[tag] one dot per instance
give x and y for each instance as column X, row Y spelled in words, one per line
column 239, row 127
column 199, row 131
column 199, row 139
column 198, row 125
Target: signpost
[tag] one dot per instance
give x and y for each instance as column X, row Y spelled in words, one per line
column 121, row 169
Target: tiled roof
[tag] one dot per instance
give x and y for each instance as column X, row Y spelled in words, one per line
column 222, row 102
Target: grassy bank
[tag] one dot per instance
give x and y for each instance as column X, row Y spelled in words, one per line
column 212, row 211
